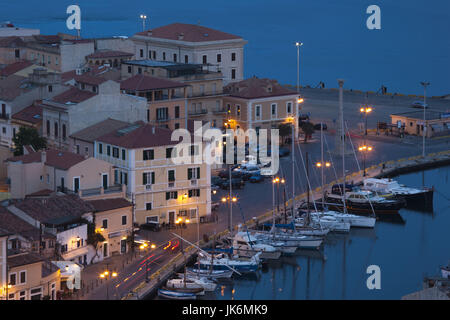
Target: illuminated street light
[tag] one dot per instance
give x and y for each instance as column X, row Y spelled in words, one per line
column 366, row 110
column 143, row 18
column 364, row 149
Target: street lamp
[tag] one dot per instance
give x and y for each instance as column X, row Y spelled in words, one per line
column 364, row 149
column 298, row 45
column 106, row 275
column 144, row 246
column 277, row 181
column 424, row 84
column 366, row 110
column 143, row 18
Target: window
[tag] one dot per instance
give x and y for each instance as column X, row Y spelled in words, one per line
column 48, row 128
column 205, row 59
column 238, row 110
column 186, row 59
column 177, row 112
column 193, row 173
column 193, row 150
column 148, row 154
column 115, row 153
column 154, row 55
column 17, row 53
column 49, row 60
column 233, row 56
column 4, row 130
column 193, row 213
column 23, row 295
column 174, row 57
column 108, row 150
column 164, row 56
column 64, row 132
column 56, row 60
column 129, row 69
column 228, row 108
column 233, row 73
column 86, row 150
column 105, row 223
column 171, row 175
column 148, row 178
column 124, row 220
column 12, row 278
column 162, row 113
column 219, row 57
column 141, row 53
column 50, row 88
column 148, row 206
column 48, row 178
column 125, row 178
column 139, row 70
column 56, row 129
column 274, row 110
column 258, row 112
column 171, row 195
column 169, row 152
column 289, row 107
column 23, row 277
column 194, row 193
column 100, row 148
column 124, row 154
column 177, row 125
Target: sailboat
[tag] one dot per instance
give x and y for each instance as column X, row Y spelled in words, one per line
column 246, row 245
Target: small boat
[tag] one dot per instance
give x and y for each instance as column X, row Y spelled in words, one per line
column 290, row 239
column 445, row 272
column 176, row 295
column 207, row 284
column 329, row 222
column 223, row 262
column 208, row 273
column 181, row 284
column 303, row 231
column 354, row 220
column 421, row 198
column 246, row 245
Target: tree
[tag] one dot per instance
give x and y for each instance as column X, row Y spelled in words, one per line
column 28, row 136
column 94, row 238
column 308, row 130
column 284, row 131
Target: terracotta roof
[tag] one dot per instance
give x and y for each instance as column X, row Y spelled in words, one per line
column 139, row 136
column 15, row 225
column 90, row 79
column 143, row 83
column 102, row 72
column 108, row 54
column 109, row 204
column 91, row 133
column 31, row 114
column 73, row 95
column 14, row 67
column 40, row 193
column 24, row 259
column 11, row 42
column 56, row 209
column 13, row 86
column 63, row 160
column 188, row 33
column 257, row 88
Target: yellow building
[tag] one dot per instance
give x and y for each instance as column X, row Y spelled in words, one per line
column 436, row 123
column 32, row 278
column 161, row 189
column 114, row 220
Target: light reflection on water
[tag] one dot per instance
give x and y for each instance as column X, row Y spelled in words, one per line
column 406, row 249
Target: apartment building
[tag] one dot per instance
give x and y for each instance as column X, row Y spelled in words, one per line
column 61, row 171
column 257, row 103
column 166, row 99
column 111, row 57
column 187, row 43
column 113, row 218
column 204, row 91
column 91, row 100
column 3, row 259
column 31, row 277
column 12, row 49
column 161, row 189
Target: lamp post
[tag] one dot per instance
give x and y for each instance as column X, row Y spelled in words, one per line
column 143, row 18
column 365, row 110
column 323, row 164
column 424, row 84
column 278, row 181
column 107, row 275
column 364, row 149
column 298, row 45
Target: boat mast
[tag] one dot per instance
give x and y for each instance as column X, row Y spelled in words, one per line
column 307, row 186
column 322, row 164
column 341, row 109
column 293, row 171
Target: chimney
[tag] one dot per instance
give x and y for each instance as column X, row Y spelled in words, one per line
column 43, row 156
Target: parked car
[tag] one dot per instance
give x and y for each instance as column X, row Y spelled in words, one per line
column 247, row 168
column 256, row 178
column 317, row 126
column 152, row 226
column 419, row 104
column 235, row 184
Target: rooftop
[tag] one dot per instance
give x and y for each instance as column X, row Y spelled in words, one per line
column 24, row 259
column 145, row 83
column 257, row 88
column 73, row 96
column 429, row 115
column 12, row 68
column 139, row 135
column 13, row 86
column 109, row 204
column 92, row 133
column 63, row 160
column 31, row 114
column 108, row 54
column 188, row 33
column 11, row 42
column 56, row 209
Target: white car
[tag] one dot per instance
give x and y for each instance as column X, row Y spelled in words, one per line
column 248, row 168
column 419, row 104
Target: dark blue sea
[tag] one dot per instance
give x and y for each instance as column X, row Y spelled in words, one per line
column 412, row 45
column 406, row 249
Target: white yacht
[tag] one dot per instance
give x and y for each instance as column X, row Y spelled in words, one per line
column 246, row 245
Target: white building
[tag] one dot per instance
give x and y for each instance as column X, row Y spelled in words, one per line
column 186, row 43
column 7, row 29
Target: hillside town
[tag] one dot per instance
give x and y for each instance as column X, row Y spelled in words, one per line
column 86, row 174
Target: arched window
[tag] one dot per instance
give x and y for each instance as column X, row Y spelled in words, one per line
column 64, row 131
column 48, row 128
column 56, row 129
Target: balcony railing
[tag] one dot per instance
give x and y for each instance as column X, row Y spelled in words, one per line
column 197, row 112
column 205, row 94
column 219, row 111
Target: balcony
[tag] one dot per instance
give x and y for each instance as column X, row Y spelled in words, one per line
column 115, row 191
column 219, row 111
column 4, row 116
column 205, row 94
column 197, row 112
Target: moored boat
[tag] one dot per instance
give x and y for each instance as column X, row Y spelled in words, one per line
column 176, row 295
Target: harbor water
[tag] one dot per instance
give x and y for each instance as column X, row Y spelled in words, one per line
column 406, row 249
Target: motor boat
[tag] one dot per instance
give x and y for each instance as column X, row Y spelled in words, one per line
column 290, row 238
column 354, row 220
column 177, row 284
column 208, row 285
column 223, row 262
column 246, row 245
column 326, row 221
column 176, row 295
column 209, row 273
